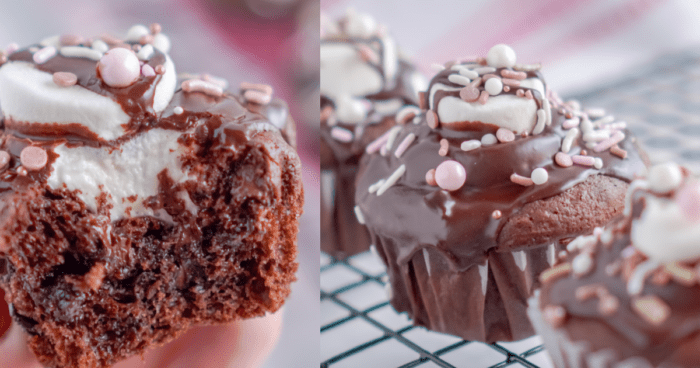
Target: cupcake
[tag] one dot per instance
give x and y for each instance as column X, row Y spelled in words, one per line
column 475, row 198
column 364, row 83
column 627, row 296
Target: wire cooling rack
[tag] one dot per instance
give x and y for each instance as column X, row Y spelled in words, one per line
column 359, row 328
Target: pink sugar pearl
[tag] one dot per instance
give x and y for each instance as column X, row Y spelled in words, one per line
column 119, row 68
column 688, row 199
column 450, row 175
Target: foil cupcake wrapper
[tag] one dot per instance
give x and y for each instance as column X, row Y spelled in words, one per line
column 577, row 354
column 486, row 302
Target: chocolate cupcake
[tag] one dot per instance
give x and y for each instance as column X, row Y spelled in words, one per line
column 627, row 296
column 474, row 200
column 364, row 83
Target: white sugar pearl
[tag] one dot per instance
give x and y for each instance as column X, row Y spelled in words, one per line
column 539, row 176
column 488, row 139
column 136, row 32
column 501, row 56
column 493, row 86
column 664, row 178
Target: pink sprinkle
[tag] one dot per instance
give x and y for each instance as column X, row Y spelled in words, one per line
column 450, row 175
column 71, row 40
column 469, row 93
column 341, row 134
column 505, row 135
column 109, row 39
column 196, row 85
column 571, row 123
column 160, row 69
column 367, row 54
column 520, row 93
column 444, row 147
column 155, row 28
column 510, row 82
column 481, row 60
column 65, row 79
column 528, row 95
column 148, row 71
column 44, row 54
column 688, row 199
column 223, row 83
column 583, row 160
column 146, row 39
column 430, row 177
column 119, row 68
column 607, row 143
column 4, row 160
column 256, row 96
column 256, row 86
column 486, row 77
column 432, row 119
column 11, row 48
column 521, row 180
column 484, row 97
column 513, row 74
column 33, row 158
column 404, row 145
column 619, row 152
column 22, row 171
column 563, row 159
column 506, row 88
column 378, row 143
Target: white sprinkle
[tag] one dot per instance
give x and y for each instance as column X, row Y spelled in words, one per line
column 598, row 163
column 571, row 123
column 640, row 273
column 405, row 111
column 551, row 254
column 595, row 112
column 44, row 54
column 604, row 120
column 437, row 67
column 541, row 119
column 391, row 180
column 586, row 126
column 100, row 46
column 470, row 145
column 145, row 53
column 596, row 135
column 459, row 79
column 539, row 176
column 392, row 136
column 582, row 264
column 426, row 256
column 591, row 145
column 81, row 52
column 178, row 110
column 374, row 187
column 359, row 215
column 494, row 86
column 488, row 139
column 341, row 134
column 581, row 242
column 469, row 73
column 485, row 70
column 569, row 140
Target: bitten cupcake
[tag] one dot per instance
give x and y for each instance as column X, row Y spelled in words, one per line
column 364, row 83
column 628, row 296
column 472, row 202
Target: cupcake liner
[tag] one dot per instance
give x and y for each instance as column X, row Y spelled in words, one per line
column 577, row 354
column 342, row 235
column 486, row 302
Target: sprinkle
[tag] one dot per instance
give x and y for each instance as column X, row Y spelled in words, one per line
column 146, row 39
column 528, row 95
column 496, row 214
column 569, row 140
column 604, row 120
column 160, row 69
column 145, row 53
column 444, row 147
column 359, row 215
column 368, row 54
column 541, row 120
column 652, row 309
column 44, row 54
column 505, row 135
column 681, row 274
column 571, row 123
column 596, row 135
column 620, row 125
column 404, row 145
column 582, row 264
column 468, row 73
column 459, row 79
column 486, row 77
column 178, row 110
column 393, row 133
column 511, row 82
column 586, row 292
column 11, row 48
column 111, row 39
column 520, row 93
column 506, row 88
column 437, row 67
column 244, row 85
column 81, row 52
column 4, row 160
column 374, row 187
column 155, row 28
column 583, row 160
column 148, row 71
column 484, row 97
column 539, row 176
column 563, row 159
column 510, row 74
column 450, row 175
column 598, row 163
column 608, row 304
column 555, row 272
column 488, row 139
column 100, row 46
column 430, row 177
column 22, row 171
column 607, row 143
column 586, row 126
column 392, row 180
column 378, row 143
column 469, row 93
column 341, row 134
column 432, row 119
column 70, row 40
column 528, row 67
column 407, row 113
column 196, row 85
column 470, row 145
column 493, row 86
column 555, row 315
column 635, row 284
column 595, row 112
column 485, row 70
column 522, row 180
column 255, row 96
column 65, row 79
column 33, row 158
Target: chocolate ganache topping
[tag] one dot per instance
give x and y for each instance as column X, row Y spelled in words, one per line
column 491, row 140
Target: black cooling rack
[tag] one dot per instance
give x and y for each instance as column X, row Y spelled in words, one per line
column 660, row 102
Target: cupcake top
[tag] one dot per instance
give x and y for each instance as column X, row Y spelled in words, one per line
column 364, row 80
column 635, row 283
column 491, row 143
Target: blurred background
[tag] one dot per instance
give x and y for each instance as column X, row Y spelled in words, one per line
column 638, row 59
column 260, row 41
